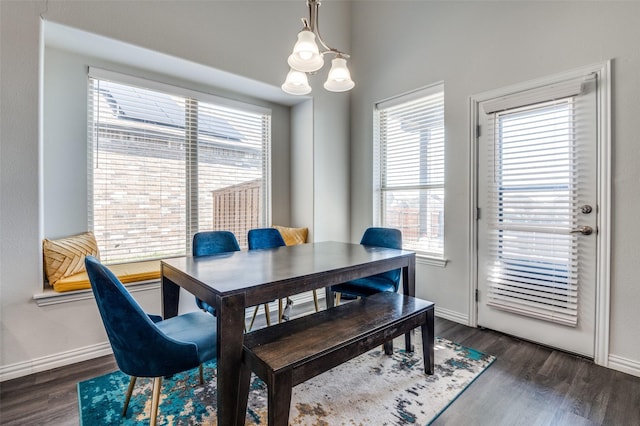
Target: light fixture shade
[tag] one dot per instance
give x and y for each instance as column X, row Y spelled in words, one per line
column 339, row 79
column 296, row 83
column 306, row 57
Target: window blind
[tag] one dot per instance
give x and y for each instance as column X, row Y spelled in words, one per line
column 160, row 164
column 533, row 256
column 559, row 90
column 409, row 146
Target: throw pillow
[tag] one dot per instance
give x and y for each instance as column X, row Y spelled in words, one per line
column 293, row 236
column 64, row 257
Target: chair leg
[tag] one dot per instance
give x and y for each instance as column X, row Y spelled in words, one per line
column 132, row 383
column 201, row 374
column 267, row 314
column 279, row 311
column 286, row 313
column 315, row 300
column 155, row 401
column 253, row 318
column 338, row 299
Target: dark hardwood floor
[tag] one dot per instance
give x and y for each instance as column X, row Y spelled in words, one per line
column 527, row 385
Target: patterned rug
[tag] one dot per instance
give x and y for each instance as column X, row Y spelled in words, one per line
column 372, row 389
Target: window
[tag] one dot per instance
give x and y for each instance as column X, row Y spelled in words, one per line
column 165, row 163
column 409, row 168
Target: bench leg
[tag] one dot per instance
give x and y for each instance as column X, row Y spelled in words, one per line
column 428, row 337
column 243, row 394
column 388, row 347
column 279, row 403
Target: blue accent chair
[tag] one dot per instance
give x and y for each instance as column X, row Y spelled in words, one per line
column 386, row 281
column 265, row 238
column 146, row 345
column 207, row 243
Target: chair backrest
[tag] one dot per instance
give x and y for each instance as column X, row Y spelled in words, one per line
column 213, row 242
column 384, row 237
column 263, row 238
column 139, row 347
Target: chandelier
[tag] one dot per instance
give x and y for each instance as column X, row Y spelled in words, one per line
column 307, row 58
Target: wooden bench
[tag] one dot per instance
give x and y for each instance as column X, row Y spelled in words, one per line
column 290, row 353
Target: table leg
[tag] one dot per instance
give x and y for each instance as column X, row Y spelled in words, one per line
column 428, row 343
column 329, row 297
column 170, row 292
column 230, row 313
column 409, row 289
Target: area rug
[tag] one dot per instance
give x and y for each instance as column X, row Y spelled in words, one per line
column 372, row 389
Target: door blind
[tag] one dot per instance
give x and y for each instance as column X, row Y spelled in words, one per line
column 533, row 256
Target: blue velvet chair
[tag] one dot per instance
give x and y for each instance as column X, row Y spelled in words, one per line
column 386, row 281
column 265, row 238
column 207, row 243
column 146, row 345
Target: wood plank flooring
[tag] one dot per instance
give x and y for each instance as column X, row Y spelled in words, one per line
column 527, row 385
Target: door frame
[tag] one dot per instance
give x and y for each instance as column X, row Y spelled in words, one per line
column 603, row 190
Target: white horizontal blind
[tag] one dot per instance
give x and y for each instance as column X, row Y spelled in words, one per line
column 157, row 161
column 409, row 142
column 231, row 173
column 533, row 256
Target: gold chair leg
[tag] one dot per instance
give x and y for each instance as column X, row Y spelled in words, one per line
column 155, row 402
column 132, row 383
column 253, row 318
column 315, row 300
column 266, row 314
column 337, row 299
column 201, row 374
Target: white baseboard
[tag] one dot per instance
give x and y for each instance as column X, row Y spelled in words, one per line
column 37, row 365
column 625, row 365
column 452, row 316
column 12, row 371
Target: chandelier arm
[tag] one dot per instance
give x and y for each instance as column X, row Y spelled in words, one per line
column 315, row 27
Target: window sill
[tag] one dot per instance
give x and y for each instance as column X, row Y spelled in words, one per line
column 51, row 297
column 431, row 261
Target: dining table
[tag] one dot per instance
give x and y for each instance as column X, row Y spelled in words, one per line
column 234, row 281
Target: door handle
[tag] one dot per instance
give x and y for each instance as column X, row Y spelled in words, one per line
column 584, row 230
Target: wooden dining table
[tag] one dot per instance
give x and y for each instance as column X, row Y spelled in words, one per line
column 234, row 281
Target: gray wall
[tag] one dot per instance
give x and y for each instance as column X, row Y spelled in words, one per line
column 479, row 46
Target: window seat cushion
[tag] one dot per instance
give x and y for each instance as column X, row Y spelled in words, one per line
column 126, row 272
